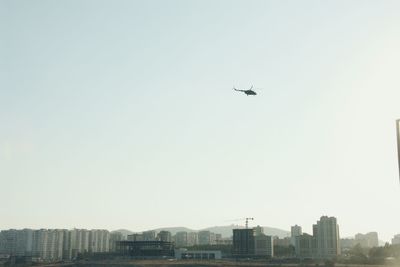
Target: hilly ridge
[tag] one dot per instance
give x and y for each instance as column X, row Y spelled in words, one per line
column 225, row 231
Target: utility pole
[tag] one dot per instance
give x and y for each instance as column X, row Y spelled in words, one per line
column 398, row 143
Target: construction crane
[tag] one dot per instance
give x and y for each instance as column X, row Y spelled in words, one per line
column 241, row 219
column 247, row 222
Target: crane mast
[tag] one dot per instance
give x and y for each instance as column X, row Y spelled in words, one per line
column 247, row 222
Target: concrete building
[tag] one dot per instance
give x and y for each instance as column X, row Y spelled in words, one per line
column 78, row 242
column 192, row 239
column 368, row 240
column 305, row 246
column 164, row 236
column 198, row 254
column 294, row 232
column 114, row 237
column 47, row 244
column 283, row 242
column 263, row 245
column 149, row 236
column 326, row 234
column 135, row 237
column 243, row 243
column 16, row 242
column 145, row 248
column 258, row 230
column 99, row 241
column 396, row 240
column 225, row 241
column 206, row 238
column 181, row 239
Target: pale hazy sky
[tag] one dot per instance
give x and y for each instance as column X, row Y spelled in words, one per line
column 121, row 114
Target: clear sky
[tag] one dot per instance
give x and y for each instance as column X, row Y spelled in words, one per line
column 121, row 114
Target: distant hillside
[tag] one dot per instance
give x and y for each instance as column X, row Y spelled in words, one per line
column 124, row 232
column 174, row 230
column 226, row 231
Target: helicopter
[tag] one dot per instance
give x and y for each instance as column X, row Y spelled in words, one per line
column 247, row 92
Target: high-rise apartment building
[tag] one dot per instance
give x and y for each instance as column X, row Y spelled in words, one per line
column 164, row 236
column 243, row 243
column 47, row 244
column 114, row 237
column 263, row 245
column 206, row 238
column 16, row 242
column 99, row 241
column 295, row 231
column 192, row 239
column 181, row 239
column 326, row 234
column 305, row 246
column 78, row 242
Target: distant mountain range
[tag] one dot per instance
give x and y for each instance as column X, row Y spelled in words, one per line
column 225, row 231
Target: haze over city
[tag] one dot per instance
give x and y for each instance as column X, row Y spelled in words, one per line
column 122, row 115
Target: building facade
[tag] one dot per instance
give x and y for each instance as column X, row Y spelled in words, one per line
column 263, row 245
column 47, row 244
column 192, row 239
column 16, row 242
column 294, row 232
column 164, row 236
column 181, row 239
column 326, row 233
column 243, row 243
column 396, row 240
column 99, row 241
column 305, row 246
column 206, row 238
column 368, row 240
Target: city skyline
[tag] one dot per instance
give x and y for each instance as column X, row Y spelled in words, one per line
column 295, row 230
column 122, row 115
column 53, row 245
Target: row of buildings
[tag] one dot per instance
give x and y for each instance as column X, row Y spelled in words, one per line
column 182, row 238
column 56, row 244
column 396, row 240
column 324, row 243
column 368, row 240
column 252, row 242
column 60, row 244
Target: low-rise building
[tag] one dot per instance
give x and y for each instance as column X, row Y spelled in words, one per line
column 396, row 240
column 198, row 254
column 145, row 248
column 368, row 240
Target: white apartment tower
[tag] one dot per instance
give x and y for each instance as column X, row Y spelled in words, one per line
column 294, row 232
column 99, row 241
column 47, row 245
column 326, row 234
